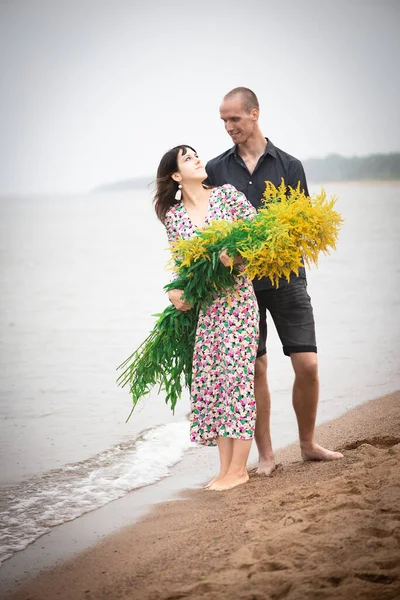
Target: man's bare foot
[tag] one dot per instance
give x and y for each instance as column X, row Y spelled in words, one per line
column 266, row 466
column 316, row 452
column 229, row 481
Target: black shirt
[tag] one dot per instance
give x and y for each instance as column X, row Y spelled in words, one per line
column 273, row 165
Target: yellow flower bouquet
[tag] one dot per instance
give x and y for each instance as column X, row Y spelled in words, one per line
column 289, row 230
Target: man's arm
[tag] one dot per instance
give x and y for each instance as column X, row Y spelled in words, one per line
column 295, row 174
column 210, row 176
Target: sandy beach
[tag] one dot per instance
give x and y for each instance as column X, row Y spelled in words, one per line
column 313, row 530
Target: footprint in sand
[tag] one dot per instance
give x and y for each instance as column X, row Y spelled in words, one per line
column 375, row 578
column 378, row 442
column 374, row 532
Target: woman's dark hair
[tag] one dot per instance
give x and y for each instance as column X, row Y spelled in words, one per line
column 166, row 187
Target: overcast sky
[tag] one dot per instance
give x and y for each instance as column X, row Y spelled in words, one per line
column 95, row 91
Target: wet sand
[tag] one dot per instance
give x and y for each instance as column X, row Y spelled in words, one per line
column 313, row 530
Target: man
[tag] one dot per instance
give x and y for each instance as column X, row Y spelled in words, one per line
column 251, row 162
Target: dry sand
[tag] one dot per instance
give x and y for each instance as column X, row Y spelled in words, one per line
column 313, row 530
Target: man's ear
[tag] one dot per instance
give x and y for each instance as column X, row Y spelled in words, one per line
column 254, row 114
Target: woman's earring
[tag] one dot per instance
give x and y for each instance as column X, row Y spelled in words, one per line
column 178, row 194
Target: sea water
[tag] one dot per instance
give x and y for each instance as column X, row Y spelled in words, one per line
column 80, row 279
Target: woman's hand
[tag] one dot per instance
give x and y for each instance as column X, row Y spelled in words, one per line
column 175, row 296
column 227, row 260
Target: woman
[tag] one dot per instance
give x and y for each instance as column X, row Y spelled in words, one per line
column 223, row 408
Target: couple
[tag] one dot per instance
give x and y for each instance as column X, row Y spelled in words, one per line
column 229, row 382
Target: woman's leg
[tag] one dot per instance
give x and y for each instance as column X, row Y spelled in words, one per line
column 225, row 449
column 237, row 472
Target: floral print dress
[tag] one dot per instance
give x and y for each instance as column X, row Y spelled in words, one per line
column 222, row 392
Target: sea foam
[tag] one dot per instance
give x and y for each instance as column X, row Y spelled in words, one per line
column 30, row 508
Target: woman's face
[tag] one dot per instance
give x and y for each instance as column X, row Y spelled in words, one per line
column 190, row 167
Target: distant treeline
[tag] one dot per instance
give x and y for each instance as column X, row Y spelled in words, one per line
column 339, row 168
column 318, row 170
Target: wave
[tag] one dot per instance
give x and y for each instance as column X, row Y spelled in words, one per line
column 29, row 509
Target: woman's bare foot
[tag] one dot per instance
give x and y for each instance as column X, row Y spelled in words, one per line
column 229, row 481
column 266, row 466
column 206, row 487
column 216, row 478
column 316, row 452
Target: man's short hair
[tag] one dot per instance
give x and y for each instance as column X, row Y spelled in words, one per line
column 249, row 99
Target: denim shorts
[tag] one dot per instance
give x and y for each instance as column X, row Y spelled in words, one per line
column 291, row 310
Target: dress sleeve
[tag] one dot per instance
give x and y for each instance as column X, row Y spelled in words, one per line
column 173, row 236
column 170, row 228
column 238, row 205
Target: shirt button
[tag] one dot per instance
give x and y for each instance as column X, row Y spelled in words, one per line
column 250, row 182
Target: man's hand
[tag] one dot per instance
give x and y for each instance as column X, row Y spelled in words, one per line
column 175, row 296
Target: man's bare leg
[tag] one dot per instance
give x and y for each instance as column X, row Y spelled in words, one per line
column 225, row 449
column 237, row 472
column 305, row 401
column 266, row 460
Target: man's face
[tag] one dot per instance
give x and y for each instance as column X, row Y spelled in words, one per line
column 238, row 122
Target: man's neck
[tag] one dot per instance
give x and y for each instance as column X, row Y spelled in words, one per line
column 253, row 147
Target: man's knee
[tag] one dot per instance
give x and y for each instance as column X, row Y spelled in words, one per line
column 305, row 365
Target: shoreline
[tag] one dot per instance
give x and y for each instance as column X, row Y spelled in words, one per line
column 210, row 543
column 351, row 182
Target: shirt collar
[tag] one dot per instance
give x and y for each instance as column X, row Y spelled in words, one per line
column 269, row 149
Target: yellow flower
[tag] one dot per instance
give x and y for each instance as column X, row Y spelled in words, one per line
column 290, row 230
